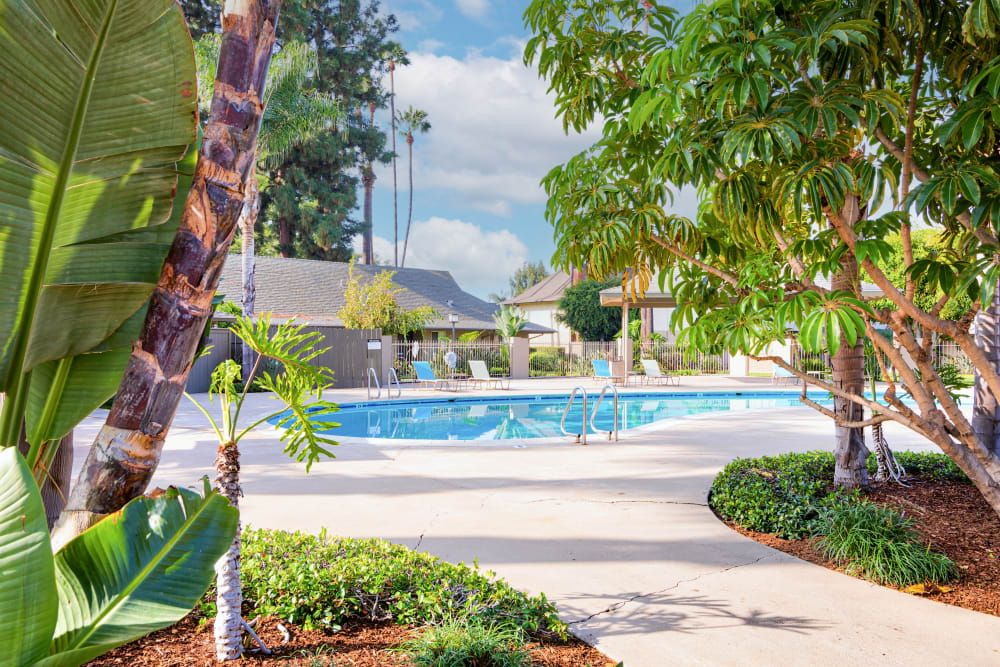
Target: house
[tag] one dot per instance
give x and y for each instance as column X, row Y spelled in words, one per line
column 313, row 291
column 540, row 303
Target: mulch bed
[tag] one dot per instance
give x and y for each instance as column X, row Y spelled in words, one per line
column 189, row 643
column 954, row 519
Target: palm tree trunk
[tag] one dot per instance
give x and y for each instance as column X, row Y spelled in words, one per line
column 127, row 449
column 985, row 407
column 229, row 592
column 248, row 220
column 395, row 203
column 368, row 180
column 409, row 217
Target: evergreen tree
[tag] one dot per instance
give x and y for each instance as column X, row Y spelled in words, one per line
column 309, row 208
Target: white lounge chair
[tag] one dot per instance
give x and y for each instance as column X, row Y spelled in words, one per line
column 654, row 374
column 481, row 375
column 783, row 376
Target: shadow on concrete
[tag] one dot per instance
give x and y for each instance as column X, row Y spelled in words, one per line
column 688, row 614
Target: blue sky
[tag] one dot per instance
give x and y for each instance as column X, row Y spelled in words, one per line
column 478, row 208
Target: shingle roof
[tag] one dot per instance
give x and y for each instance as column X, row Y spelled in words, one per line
column 313, row 290
column 549, row 289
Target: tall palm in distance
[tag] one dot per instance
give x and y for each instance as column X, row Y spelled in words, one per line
column 292, row 115
column 410, row 121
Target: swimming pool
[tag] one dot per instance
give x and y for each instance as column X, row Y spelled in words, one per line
column 522, row 417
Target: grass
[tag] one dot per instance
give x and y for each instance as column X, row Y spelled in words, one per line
column 469, row 643
column 880, row 544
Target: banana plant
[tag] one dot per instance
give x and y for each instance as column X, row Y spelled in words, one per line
column 132, row 573
column 99, row 108
column 303, row 417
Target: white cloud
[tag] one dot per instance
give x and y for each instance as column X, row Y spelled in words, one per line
column 429, row 45
column 413, row 14
column 494, row 134
column 478, row 259
column 474, row 9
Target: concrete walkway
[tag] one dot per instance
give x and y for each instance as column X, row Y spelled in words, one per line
column 618, row 535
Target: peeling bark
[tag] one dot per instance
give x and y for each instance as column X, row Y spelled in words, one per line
column 126, row 451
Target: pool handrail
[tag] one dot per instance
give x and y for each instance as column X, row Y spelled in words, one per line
column 390, row 378
column 373, row 375
column 597, row 405
column 569, row 404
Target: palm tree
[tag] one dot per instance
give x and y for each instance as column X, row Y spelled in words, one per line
column 127, row 449
column 292, row 115
column 412, row 120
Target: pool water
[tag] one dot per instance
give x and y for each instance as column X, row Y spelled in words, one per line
column 517, row 417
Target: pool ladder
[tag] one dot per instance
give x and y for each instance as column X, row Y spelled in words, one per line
column 391, row 379
column 582, row 436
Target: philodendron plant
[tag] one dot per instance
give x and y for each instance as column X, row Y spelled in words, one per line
column 302, row 416
column 136, row 571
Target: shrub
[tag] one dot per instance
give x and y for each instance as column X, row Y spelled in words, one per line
column 469, row 643
column 774, row 494
column 880, row 544
column 927, row 465
column 544, row 363
column 319, row 582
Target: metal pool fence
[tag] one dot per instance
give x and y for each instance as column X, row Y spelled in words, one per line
column 496, row 356
column 575, row 359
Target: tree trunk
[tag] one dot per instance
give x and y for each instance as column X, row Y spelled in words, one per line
column 395, row 201
column 646, row 315
column 368, row 179
column 985, row 407
column 248, row 220
column 409, row 217
column 851, row 454
column 126, row 451
column 284, row 238
column 229, row 591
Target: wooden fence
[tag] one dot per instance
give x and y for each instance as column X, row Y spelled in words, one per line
column 348, row 356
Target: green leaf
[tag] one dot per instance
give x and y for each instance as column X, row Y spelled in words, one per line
column 136, row 571
column 28, row 602
column 99, row 103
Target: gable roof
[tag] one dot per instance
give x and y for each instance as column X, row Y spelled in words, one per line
column 548, row 290
column 314, row 290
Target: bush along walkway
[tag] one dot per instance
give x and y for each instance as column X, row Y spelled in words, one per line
column 935, row 537
column 318, row 600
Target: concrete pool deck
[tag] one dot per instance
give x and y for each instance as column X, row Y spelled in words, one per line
column 618, row 535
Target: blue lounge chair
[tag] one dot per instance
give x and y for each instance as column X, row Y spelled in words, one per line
column 425, row 375
column 602, row 370
column 782, row 375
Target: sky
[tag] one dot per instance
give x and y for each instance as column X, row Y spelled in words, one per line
column 478, row 208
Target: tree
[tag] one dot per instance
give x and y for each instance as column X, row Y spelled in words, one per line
column 927, row 244
column 83, row 238
column 373, row 305
column 308, row 210
column 799, row 122
column 127, row 449
column 292, row 115
column 412, row 120
column 580, row 309
column 523, row 279
column 510, row 321
column 301, row 419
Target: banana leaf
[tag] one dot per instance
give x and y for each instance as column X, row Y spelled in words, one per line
column 99, row 106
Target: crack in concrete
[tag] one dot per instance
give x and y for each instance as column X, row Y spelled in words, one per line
column 618, row 605
column 616, row 502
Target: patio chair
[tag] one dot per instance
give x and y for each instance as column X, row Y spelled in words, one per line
column 425, row 375
column 481, row 375
column 783, row 376
column 602, row 370
column 653, row 374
